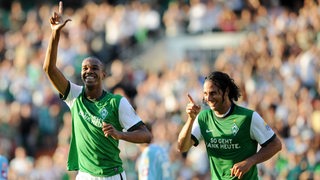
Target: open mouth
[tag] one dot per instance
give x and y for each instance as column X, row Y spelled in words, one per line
column 90, row 78
column 212, row 104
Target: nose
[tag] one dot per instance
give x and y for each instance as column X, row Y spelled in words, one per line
column 208, row 97
column 89, row 69
column 205, row 98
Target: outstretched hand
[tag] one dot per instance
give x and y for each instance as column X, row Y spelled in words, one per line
column 56, row 20
column 192, row 108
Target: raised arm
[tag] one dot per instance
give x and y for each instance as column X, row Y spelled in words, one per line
column 57, row 79
column 184, row 140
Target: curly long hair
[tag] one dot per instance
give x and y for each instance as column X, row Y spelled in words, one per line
column 223, row 81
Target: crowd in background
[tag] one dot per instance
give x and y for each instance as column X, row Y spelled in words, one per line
column 277, row 66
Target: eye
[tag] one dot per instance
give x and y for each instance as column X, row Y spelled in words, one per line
column 205, row 93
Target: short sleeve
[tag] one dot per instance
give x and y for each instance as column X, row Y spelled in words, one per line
column 195, row 131
column 127, row 115
column 260, row 130
column 73, row 91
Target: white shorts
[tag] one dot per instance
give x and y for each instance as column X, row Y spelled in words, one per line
column 87, row 176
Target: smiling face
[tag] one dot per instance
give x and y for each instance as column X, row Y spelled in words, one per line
column 215, row 98
column 92, row 73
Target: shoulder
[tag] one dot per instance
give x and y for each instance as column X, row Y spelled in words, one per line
column 242, row 110
column 73, row 91
column 117, row 96
column 205, row 112
column 114, row 98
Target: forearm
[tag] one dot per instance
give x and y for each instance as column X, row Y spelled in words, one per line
column 136, row 136
column 55, row 76
column 52, row 51
column 184, row 140
column 266, row 152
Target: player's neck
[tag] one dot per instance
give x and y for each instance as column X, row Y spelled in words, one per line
column 224, row 110
column 95, row 95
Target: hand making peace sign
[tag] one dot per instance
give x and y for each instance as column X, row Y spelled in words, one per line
column 56, row 20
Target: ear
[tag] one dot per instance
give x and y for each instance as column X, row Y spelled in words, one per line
column 227, row 92
column 104, row 75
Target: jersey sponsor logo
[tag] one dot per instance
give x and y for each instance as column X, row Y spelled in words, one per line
column 221, row 143
column 96, row 121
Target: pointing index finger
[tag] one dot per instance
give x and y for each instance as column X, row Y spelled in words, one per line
column 60, row 7
column 190, row 99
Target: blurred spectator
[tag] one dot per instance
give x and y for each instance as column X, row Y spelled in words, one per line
column 149, row 21
column 21, row 165
column 227, row 20
column 17, row 16
column 27, row 125
column 196, row 16
column 4, row 166
column 44, row 168
column 153, row 161
column 214, row 9
column 173, row 19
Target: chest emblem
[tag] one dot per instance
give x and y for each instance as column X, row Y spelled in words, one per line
column 234, row 129
column 103, row 113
